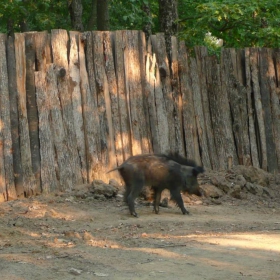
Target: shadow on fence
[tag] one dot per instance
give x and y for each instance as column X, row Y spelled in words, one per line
column 75, row 105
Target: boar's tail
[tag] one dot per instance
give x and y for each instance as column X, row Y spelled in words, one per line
column 113, row 169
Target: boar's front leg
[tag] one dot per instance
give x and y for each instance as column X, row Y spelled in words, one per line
column 176, row 196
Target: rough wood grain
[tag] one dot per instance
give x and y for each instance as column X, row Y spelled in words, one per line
column 32, row 113
column 158, row 44
column 29, row 181
column 75, row 92
column 262, row 148
column 198, row 108
column 14, row 116
column 251, row 112
column 59, row 41
column 201, row 54
column 267, row 89
column 60, row 138
column 220, row 116
column 8, row 187
column 47, row 148
column 90, row 115
column 119, row 43
column 107, row 155
column 113, row 93
column 189, row 121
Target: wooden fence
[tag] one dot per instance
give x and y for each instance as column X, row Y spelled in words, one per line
column 75, row 105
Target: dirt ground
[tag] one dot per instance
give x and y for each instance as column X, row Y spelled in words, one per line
column 67, row 237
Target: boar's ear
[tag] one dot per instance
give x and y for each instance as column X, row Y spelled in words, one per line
column 197, row 170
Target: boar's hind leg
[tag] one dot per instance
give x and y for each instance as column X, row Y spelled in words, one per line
column 176, row 196
column 136, row 188
column 157, row 196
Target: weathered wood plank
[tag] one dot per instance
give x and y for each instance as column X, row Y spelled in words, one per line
column 150, row 98
column 189, row 122
column 32, row 113
column 250, row 112
column 198, row 108
column 107, row 156
column 238, row 103
column 220, row 116
column 254, row 61
column 158, row 44
column 8, row 187
column 63, row 157
column 75, row 92
column 177, row 97
column 122, row 93
column 201, row 54
column 113, row 93
column 59, row 41
column 47, row 149
column 29, row 181
column 14, row 116
column 147, row 141
column 42, row 50
column 134, row 90
column 90, row 110
column 267, row 88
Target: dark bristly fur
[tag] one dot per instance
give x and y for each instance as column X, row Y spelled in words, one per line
column 159, row 171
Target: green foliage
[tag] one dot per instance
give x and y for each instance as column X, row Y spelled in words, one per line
column 128, row 14
column 239, row 23
column 38, row 15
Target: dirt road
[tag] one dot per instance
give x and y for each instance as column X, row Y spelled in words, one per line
column 65, row 237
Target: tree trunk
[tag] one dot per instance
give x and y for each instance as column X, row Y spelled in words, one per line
column 92, row 23
column 168, row 15
column 103, row 22
column 147, row 25
column 76, row 12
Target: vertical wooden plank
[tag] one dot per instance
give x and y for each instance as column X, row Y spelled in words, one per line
column 122, row 94
column 220, row 115
column 107, row 155
column 13, row 95
column 47, row 151
column 32, row 113
column 251, row 112
column 134, row 90
column 200, row 121
column 238, row 103
column 201, row 54
column 150, row 97
column 176, row 96
column 254, row 61
column 63, row 166
column 75, row 93
column 158, row 43
column 8, row 187
column 29, row 181
column 59, row 41
column 267, row 89
column 113, row 93
column 189, row 122
column 147, row 141
column 42, row 50
column 90, row 113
